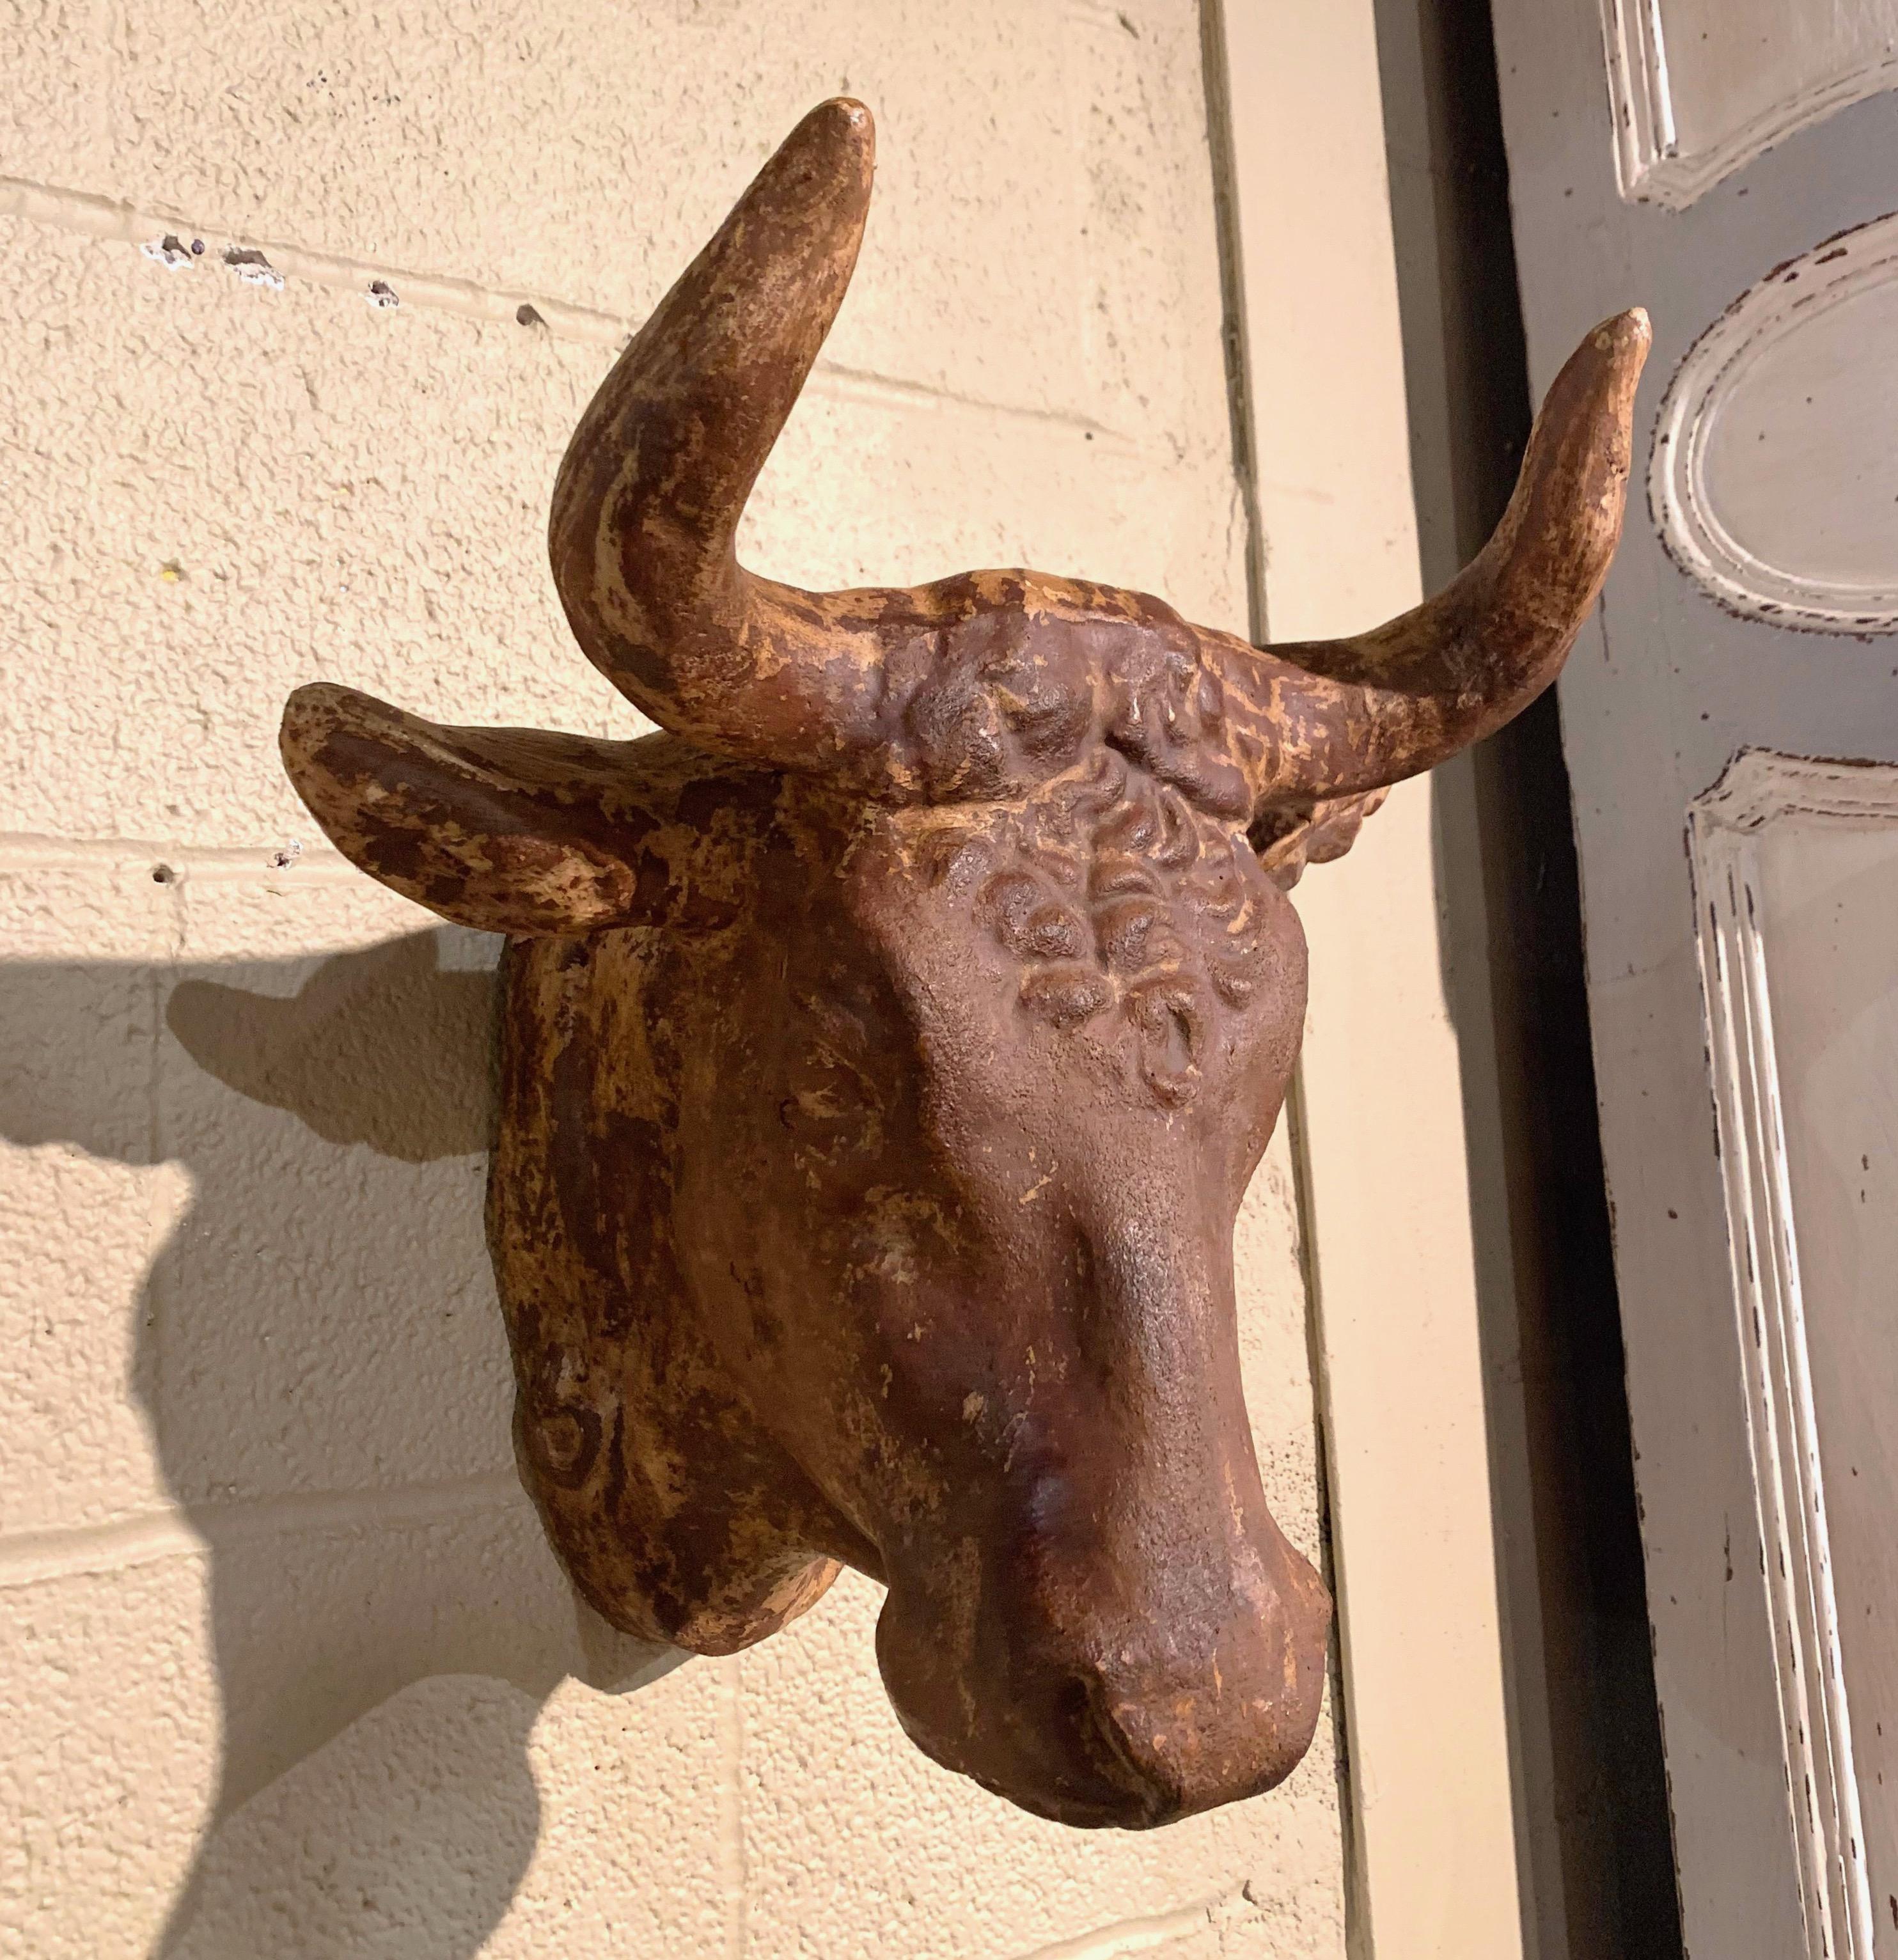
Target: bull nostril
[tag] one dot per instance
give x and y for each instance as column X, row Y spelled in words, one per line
column 1169, row 1744
column 1092, row 1716
column 1105, row 1727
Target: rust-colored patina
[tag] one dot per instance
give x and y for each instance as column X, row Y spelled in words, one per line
column 888, row 1046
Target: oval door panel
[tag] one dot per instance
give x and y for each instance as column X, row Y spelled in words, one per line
column 1774, row 478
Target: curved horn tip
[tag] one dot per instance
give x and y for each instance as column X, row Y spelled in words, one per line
column 322, row 709
column 1621, row 341
column 316, row 705
column 1595, row 390
column 843, row 122
column 1631, row 328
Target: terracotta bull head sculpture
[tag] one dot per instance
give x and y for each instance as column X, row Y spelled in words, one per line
column 886, row 1046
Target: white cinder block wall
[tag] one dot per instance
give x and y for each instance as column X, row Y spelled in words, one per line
column 286, row 1668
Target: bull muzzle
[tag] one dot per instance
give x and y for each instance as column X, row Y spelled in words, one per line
column 1089, row 1703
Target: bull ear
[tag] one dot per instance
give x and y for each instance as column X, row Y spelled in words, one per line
column 511, row 830
column 1287, row 841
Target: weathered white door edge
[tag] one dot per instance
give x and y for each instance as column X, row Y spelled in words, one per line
column 1387, row 1197
column 1726, row 827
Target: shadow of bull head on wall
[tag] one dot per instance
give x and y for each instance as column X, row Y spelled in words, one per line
column 887, row 1045
column 366, row 1555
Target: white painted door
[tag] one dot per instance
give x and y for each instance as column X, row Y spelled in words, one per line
column 1731, row 720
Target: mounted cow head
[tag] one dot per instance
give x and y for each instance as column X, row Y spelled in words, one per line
column 888, row 1045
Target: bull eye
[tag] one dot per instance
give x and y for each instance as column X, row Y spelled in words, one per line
column 562, row 1440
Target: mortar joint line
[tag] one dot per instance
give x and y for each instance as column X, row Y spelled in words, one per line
column 118, row 221
column 35, row 1553
column 1141, row 1935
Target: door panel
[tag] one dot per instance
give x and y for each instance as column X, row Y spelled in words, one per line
column 1829, row 899
column 1702, row 86
column 1796, row 868
column 1774, row 471
column 1771, row 514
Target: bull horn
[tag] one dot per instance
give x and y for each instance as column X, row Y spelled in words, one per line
column 1340, row 717
column 647, row 503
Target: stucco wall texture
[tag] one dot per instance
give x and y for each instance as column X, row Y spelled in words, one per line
column 285, row 1668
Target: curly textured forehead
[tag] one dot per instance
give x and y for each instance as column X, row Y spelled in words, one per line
column 1119, row 898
